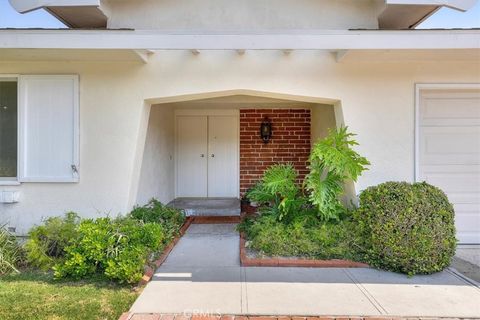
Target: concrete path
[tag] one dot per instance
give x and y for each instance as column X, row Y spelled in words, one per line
column 202, row 275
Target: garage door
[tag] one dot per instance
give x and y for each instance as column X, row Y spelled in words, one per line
column 449, row 153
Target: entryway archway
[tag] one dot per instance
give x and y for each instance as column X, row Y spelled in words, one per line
column 206, row 146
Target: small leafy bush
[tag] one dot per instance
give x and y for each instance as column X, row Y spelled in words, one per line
column 407, row 228
column 10, row 252
column 332, row 163
column 154, row 211
column 278, row 193
column 47, row 242
column 117, row 248
column 299, row 238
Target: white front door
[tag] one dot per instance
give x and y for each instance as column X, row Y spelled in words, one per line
column 223, row 156
column 449, row 153
column 192, row 156
column 207, row 156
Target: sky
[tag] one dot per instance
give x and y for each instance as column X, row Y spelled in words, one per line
column 444, row 18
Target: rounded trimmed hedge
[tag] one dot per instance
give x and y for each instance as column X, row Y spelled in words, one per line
column 405, row 227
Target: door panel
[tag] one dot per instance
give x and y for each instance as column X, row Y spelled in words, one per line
column 192, row 156
column 449, row 153
column 223, row 156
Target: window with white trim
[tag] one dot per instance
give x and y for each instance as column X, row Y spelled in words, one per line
column 8, row 129
column 44, row 146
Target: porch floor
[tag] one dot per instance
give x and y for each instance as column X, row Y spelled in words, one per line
column 203, row 275
column 208, row 206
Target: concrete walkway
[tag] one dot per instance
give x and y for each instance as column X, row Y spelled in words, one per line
column 202, row 275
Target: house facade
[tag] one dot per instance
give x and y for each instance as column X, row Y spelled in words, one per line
column 164, row 99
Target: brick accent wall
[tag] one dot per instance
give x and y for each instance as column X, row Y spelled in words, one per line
column 290, row 142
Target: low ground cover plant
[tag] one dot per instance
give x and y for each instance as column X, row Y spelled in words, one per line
column 405, row 227
column 47, row 242
column 120, row 248
column 300, row 238
column 115, row 248
column 154, row 211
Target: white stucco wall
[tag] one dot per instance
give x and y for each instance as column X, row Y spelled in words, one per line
column 322, row 119
column 376, row 99
column 158, row 169
column 235, row 15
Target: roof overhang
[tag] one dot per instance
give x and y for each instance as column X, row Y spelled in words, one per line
column 407, row 14
column 462, row 5
column 73, row 13
column 393, row 14
column 155, row 40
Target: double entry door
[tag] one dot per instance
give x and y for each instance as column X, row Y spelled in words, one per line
column 207, row 155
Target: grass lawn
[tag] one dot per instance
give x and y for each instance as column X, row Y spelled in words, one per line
column 35, row 295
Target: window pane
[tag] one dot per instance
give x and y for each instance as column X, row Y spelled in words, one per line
column 8, row 129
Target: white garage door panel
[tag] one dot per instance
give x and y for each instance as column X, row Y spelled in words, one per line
column 449, row 153
column 450, row 145
column 450, row 108
column 455, row 183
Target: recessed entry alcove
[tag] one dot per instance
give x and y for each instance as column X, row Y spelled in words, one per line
column 203, row 152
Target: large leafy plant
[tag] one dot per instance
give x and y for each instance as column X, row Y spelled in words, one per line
column 333, row 162
column 278, row 192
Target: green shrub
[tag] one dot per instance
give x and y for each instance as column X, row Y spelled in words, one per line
column 332, row 163
column 10, row 252
column 406, row 227
column 47, row 242
column 154, row 211
column 300, row 238
column 117, row 248
column 278, row 193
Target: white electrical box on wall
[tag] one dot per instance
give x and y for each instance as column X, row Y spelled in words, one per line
column 9, row 196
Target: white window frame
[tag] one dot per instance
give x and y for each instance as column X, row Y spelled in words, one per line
column 430, row 86
column 13, row 181
column 21, row 130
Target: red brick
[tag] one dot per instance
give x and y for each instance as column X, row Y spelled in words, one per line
column 125, row 316
column 145, row 316
column 204, row 317
column 290, row 142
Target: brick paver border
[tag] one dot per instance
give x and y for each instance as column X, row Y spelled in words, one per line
column 158, row 316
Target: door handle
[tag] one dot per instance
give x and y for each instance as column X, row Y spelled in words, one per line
column 213, row 155
column 202, row 155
